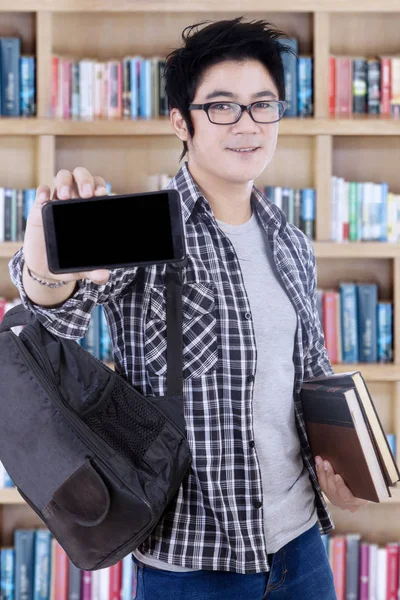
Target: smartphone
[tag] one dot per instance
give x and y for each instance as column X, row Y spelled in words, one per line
column 106, row 232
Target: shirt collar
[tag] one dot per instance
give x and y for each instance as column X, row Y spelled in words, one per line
column 191, row 195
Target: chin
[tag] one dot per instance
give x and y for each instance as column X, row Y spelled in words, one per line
column 243, row 175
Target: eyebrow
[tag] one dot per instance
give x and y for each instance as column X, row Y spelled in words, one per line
column 218, row 93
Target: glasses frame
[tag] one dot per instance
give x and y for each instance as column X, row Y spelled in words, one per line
column 243, row 108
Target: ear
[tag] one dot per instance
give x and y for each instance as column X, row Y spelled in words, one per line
column 179, row 125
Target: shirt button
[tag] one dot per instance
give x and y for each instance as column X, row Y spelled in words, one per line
column 250, row 378
column 247, row 316
column 252, row 444
column 257, row 504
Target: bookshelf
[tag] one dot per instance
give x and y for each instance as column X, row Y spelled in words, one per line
column 32, row 150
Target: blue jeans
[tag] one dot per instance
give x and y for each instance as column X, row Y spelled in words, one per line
column 299, row 571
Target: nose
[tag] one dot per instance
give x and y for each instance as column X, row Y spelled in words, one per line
column 245, row 124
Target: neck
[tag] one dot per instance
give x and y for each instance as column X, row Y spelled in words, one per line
column 229, row 201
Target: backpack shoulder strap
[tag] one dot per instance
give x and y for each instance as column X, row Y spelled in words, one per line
column 17, row 315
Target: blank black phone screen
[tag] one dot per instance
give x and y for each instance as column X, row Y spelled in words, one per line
column 113, row 231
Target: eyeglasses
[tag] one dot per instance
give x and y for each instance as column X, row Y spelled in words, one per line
column 228, row 113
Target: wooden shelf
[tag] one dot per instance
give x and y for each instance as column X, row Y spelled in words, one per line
column 395, row 499
column 205, row 6
column 11, row 497
column 356, row 250
column 371, row 371
column 322, row 250
column 362, row 126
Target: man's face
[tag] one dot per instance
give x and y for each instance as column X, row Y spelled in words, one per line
column 214, row 149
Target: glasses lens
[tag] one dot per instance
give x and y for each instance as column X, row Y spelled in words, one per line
column 266, row 112
column 224, row 112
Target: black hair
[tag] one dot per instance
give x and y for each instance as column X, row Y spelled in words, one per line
column 220, row 41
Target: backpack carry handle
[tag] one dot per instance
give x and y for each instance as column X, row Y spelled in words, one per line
column 17, row 315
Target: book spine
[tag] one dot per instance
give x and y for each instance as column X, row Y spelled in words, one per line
column 10, row 51
column 134, row 108
column 24, row 558
column 86, row 592
column 8, row 194
column 66, row 88
column 395, row 88
column 75, row 102
column 374, row 86
column 99, row 75
column 297, row 208
column 20, row 215
column 7, row 567
column 332, row 85
column 349, row 322
column 352, row 566
column 127, row 574
column 385, row 86
column 54, row 85
column 339, row 566
column 329, row 324
column 360, row 77
column 308, row 212
column 289, row 61
column 105, row 339
column 385, row 332
column 2, row 192
column 367, row 326
column 115, row 581
column 343, row 87
column 164, row 111
column 353, row 212
column 392, row 573
column 126, row 87
column 364, row 572
column 74, row 581
column 42, row 551
column 28, row 86
column 14, row 215
column 304, row 82
column 61, row 574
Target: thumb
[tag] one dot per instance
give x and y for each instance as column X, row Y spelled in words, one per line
column 99, row 276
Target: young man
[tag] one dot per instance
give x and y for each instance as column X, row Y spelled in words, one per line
column 247, row 519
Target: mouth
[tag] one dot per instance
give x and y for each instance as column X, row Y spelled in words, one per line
column 248, row 150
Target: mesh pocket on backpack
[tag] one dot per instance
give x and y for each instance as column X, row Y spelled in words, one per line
column 125, row 421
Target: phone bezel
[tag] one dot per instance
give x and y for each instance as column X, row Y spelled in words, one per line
column 176, row 225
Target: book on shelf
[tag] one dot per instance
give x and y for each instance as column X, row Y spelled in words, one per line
column 132, row 87
column 357, row 327
column 17, row 80
column 298, row 78
column 298, row 204
column 364, row 211
column 364, row 86
column 344, row 428
column 37, row 568
column 363, row 570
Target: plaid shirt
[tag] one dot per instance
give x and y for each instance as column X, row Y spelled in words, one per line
column 216, row 520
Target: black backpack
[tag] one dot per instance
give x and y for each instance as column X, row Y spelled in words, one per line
column 98, row 461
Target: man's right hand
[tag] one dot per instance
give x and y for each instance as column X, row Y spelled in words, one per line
column 78, row 184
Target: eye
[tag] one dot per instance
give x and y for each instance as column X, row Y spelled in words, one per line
column 221, row 106
column 265, row 105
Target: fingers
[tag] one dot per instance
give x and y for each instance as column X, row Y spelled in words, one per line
column 99, row 276
column 321, row 473
column 79, row 183
column 63, row 185
column 84, row 181
column 42, row 195
column 100, row 188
